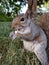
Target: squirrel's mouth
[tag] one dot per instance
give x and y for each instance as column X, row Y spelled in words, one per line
column 20, row 28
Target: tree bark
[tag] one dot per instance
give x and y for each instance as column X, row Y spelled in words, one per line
column 32, row 6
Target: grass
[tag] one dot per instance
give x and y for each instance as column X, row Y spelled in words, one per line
column 12, row 52
column 5, row 18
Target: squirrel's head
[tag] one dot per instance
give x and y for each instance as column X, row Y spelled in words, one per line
column 19, row 22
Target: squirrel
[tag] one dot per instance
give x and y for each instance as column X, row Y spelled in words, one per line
column 33, row 37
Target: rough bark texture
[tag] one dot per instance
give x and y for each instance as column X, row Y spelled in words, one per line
column 32, row 7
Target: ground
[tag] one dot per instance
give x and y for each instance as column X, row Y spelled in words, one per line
column 12, row 52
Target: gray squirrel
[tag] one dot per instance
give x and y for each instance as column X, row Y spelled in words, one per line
column 33, row 37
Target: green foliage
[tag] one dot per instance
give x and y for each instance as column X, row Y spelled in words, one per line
column 5, row 18
column 8, row 9
column 10, row 6
column 41, row 2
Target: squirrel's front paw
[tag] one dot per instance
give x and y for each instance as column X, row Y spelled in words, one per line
column 12, row 35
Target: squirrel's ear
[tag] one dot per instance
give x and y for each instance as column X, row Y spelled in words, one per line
column 27, row 14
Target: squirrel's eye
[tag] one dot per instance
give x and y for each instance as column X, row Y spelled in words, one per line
column 22, row 19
